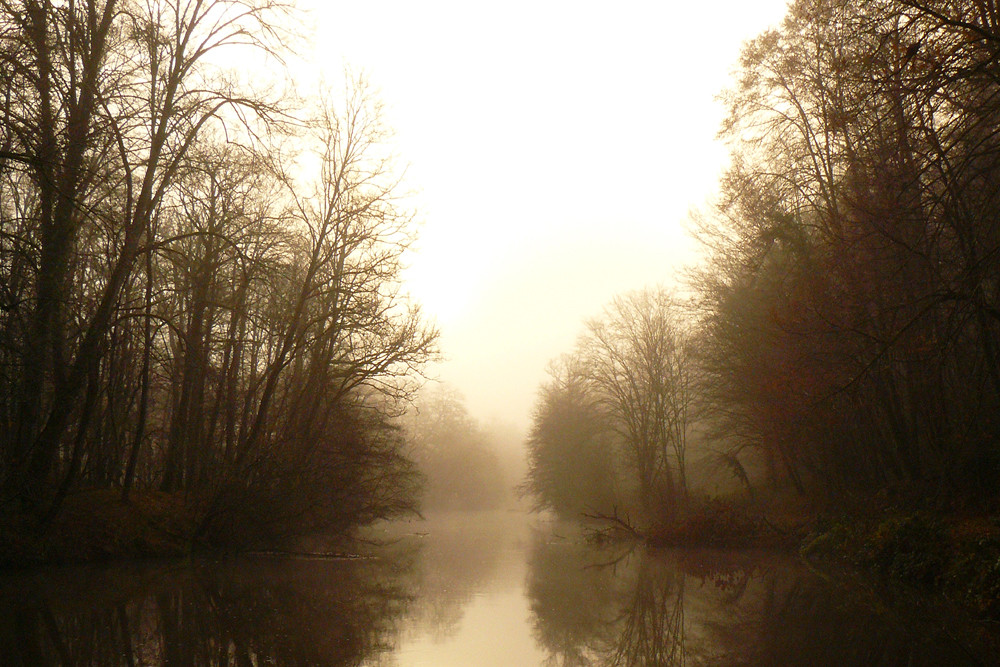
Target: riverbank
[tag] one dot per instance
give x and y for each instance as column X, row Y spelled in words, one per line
column 98, row 526
column 949, row 553
column 439, row 596
column 736, row 523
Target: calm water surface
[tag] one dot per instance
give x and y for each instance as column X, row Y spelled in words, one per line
column 475, row 589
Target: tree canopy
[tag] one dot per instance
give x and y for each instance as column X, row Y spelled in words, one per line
column 199, row 279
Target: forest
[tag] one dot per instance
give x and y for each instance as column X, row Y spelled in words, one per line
column 221, row 441
column 201, row 318
column 837, row 352
column 205, row 341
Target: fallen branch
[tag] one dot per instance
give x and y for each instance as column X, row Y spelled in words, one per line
column 618, row 528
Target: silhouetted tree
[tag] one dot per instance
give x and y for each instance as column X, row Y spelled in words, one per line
column 850, row 327
column 613, row 424
column 107, row 101
column 183, row 308
column 636, row 358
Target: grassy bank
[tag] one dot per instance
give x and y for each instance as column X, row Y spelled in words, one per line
column 734, row 523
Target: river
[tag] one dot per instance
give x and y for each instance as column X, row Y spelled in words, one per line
column 496, row 588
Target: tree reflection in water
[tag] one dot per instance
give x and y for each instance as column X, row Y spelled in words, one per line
column 244, row 612
column 458, row 560
column 718, row 608
column 582, row 606
column 652, row 620
column 602, row 608
column 572, row 601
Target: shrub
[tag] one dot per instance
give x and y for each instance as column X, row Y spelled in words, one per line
column 911, row 549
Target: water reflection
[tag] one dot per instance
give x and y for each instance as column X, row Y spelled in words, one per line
column 460, row 553
column 572, row 599
column 245, row 612
column 469, row 604
column 717, row 608
column 476, row 589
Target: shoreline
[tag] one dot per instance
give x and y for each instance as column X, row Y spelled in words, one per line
column 952, row 555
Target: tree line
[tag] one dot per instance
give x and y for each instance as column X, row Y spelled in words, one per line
column 845, row 329
column 199, row 276
column 611, row 425
column 851, row 322
column 462, row 462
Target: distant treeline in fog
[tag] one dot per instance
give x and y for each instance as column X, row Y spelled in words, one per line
column 465, row 465
column 842, row 338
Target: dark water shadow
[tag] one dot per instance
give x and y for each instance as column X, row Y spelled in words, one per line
column 574, row 604
column 732, row 608
column 259, row 611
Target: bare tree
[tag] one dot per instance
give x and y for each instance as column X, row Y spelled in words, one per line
column 346, row 326
column 455, row 454
column 851, row 328
column 635, row 355
column 111, row 99
column 178, row 311
column 572, row 466
column 612, row 425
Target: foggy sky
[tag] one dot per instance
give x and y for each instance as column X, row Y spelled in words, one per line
column 558, row 148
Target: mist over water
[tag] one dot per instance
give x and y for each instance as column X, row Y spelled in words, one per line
column 612, row 263
column 483, row 588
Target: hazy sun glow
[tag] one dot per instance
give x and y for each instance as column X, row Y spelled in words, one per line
column 558, row 148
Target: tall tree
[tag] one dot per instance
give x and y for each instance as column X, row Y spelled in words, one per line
column 850, row 329
column 110, row 100
column 635, row 355
column 572, row 445
column 455, row 454
column 612, row 425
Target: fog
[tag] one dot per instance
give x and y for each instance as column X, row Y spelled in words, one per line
column 556, row 149
column 318, row 287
